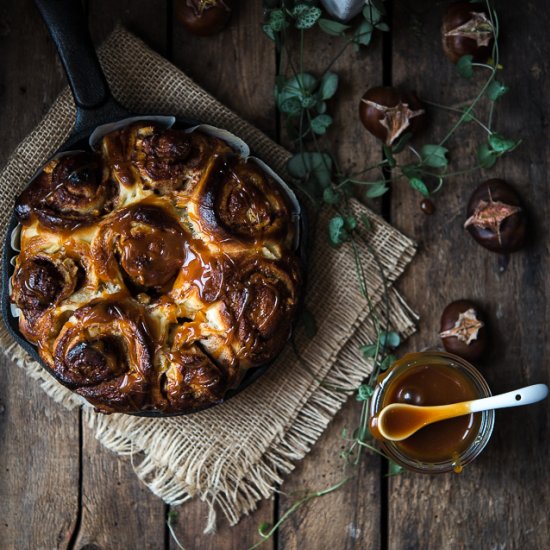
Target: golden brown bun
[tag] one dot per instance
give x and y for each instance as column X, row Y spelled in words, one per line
column 153, row 274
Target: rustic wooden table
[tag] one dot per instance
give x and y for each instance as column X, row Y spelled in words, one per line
column 60, row 488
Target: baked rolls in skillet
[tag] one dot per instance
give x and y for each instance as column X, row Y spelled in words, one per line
column 154, row 273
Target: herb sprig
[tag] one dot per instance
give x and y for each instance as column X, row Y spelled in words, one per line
column 301, row 98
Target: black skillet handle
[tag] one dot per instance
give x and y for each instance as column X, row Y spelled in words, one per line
column 67, row 24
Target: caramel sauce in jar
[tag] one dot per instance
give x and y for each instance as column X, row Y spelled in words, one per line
column 434, row 378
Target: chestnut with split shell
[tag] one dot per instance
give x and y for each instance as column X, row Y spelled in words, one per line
column 203, row 17
column 463, row 330
column 388, row 113
column 467, row 30
column 399, row 421
column 496, row 217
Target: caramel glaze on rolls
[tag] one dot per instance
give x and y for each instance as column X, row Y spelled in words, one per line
column 154, row 273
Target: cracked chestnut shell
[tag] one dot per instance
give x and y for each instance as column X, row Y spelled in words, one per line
column 496, row 217
column 203, row 17
column 388, row 113
column 464, row 330
column 467, row 30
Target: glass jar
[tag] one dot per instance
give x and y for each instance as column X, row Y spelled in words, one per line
column 481, row 424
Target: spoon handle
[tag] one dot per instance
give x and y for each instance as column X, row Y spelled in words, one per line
column 516, row 398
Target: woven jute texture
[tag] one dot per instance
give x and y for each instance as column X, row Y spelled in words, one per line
column 234, row 454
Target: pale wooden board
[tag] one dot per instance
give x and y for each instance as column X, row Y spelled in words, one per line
column 38, row 438
column 501, row 500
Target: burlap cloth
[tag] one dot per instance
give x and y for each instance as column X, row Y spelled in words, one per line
column 234, row 454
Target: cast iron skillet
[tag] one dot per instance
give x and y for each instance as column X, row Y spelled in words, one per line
column 94, row 106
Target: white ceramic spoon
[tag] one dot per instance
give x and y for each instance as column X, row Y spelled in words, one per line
column 400, row 420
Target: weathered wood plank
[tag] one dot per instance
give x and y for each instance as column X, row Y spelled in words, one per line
column 497, row 501
column 236, row 67
column 351, row 516
column 38, row 438
column 118, row 511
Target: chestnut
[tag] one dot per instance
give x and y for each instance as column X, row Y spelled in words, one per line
column 463, row 330
column 387, row 113
column 203, row 17
column 466, row 30
column 496, row 218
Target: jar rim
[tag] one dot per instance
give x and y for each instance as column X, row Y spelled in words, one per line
column 485, row 427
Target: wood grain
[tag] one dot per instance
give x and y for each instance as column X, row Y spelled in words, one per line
column 351, row 516
column 497, row 501
column 38, row 438
column 501, row 500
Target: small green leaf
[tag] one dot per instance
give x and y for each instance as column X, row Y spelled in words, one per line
column 500, row 144
column 410, row 170
column 336, row 231
column 372, row 14
column 328, row 86
column 394, row 469
column 305, row 16
column 321, row 107
column 486, row 157
column 420, row 186
column 309, row 102
column 291, row 106
column 434, row 156
column 387, row 362
column 390, row 339
column 495, row 90
column 364, row 392
column 311, row 164
column 388, row 153
column 366, row 222
column 465, row 67
column 377, row 190
column 384, row 27
column 320, row 123
column 269, row 32
column 334, row 28
column 277, row 20
column 330, row 196
column 172, row 515
column 351, row 222
column 363, row 34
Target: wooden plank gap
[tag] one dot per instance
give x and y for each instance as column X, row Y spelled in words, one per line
column 78, row 522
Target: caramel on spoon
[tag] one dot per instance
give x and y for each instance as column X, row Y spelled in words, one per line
column 401, row 420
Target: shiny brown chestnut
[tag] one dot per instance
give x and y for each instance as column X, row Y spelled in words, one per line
column 463, row 330
column 388, row 113
column 203, row 17
column 496, row 217
column 467, row 30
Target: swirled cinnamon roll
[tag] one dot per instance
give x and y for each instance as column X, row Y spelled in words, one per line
column 71, row 191
column 104, row 353
column 42, row 281
column 144, row 243
column 260, row 304
column 237, row 200
column 190, row 380
column 162, row 159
